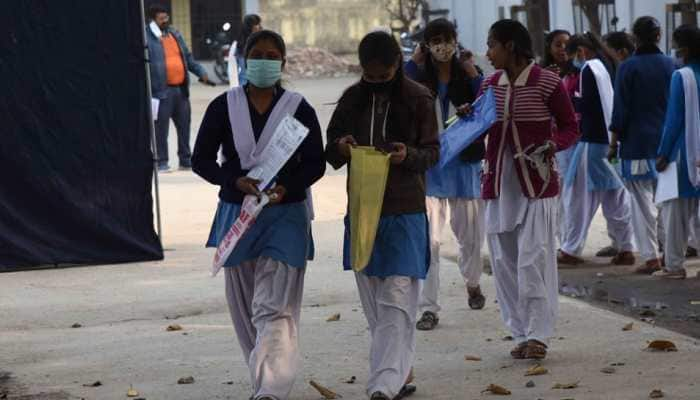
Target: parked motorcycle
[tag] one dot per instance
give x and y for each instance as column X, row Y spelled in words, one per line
column 219, row 48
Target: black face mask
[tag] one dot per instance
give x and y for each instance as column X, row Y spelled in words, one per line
column 379, row 87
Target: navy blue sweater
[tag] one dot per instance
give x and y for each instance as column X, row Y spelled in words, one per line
column 305, row 167
column 641, row 96
column 593, row 129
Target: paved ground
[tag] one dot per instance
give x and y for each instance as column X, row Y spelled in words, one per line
column 124, row 310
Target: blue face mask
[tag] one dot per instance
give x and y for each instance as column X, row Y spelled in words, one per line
column 578, row 63
column 263, row 73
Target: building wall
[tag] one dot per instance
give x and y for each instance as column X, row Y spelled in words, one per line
column 181, row 18
column 474, row 17
column 337, row 25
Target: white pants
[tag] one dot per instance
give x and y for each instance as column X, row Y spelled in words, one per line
column 467, row 223
column 264, row 298
column 390, row 305
column 583, row 205
column 678, row 218
column 525, row 269
column 644, row 214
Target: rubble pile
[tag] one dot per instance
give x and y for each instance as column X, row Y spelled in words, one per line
column 314, row 62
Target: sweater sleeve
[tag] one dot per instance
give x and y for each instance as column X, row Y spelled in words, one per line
column 619, row 115
column 310, row 153
column 209, row 139
column 338, row 127
column 567, row 132
column 426, row 152
column 675, row 117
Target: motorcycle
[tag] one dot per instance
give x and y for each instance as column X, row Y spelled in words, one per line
column 219, row 48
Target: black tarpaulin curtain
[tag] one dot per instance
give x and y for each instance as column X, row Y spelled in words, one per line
column 75, row 157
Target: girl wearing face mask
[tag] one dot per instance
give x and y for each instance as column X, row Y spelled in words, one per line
column 680, row 143
column 393, row 113
column 453, row 83
column 520, row 185
column 265, row 272
column 590, row 180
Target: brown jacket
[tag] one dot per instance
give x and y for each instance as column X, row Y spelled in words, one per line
column 410, row 119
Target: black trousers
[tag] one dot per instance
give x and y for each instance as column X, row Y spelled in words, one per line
column 175, row 106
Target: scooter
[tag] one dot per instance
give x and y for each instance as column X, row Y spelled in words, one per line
column 219, row 48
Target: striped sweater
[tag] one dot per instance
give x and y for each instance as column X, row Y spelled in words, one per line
column 526, row 112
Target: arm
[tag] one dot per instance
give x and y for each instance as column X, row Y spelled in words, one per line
column 426, row 152
column 209, row 139
column 567, row 131
column 339, row 126
column 192, row 65
column 619, row 116
column 313, row 165
column 675, row 118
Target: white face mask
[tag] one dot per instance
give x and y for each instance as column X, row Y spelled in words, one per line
column 443, row 52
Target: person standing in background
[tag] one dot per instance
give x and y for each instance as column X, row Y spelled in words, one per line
column 621, row 43
column 457, row 186
column 251, row 23
column 170, row 59
column 641, row 96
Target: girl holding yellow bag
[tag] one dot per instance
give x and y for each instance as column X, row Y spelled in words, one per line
column 388, row 112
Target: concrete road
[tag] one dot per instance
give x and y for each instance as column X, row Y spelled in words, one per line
column 124, row 310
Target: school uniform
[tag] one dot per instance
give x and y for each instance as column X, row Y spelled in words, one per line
column 680, row 143
column 454, row 191
column 265, row 272
column 571, row 85
column 641, row 96
column 591, row 181
column 389, row 285
column 520, row 188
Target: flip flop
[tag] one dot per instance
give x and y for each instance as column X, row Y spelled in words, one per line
column 405, row 391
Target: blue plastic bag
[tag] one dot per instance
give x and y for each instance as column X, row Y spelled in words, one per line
column 468, row 128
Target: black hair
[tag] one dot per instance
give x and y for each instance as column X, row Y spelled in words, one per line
column 592, row 42
column 688, row 36
column 437, row 27
column 379, row 47
column 548, row 59
column 155, row 9
column 509, row 30
column 620, row 40
column 646, row 30
column 265, row 34
column 249, row 21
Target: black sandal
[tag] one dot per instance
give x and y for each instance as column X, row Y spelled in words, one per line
column 428, row 321
column 477, row 301
column 405, row 391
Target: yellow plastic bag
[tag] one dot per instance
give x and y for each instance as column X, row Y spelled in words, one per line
column 369, row 169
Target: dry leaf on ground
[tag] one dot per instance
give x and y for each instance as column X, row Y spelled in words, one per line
column 333, row 318
column 94, row 384
column 656, row 394
column 173, row 328
column 496, row 389
column 76, row 325
column 351, row 380
column 536, row 370
column 324, row 391
column 573, row 385
column 472, row 358
column 628, row 327
column 608, row 370
column 662, row 345
column 188, row 380
column 132, row 392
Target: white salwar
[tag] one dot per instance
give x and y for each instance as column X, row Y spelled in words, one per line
column 390, row 305
column 678, row 216
column 264, row 298
column 521, row 235
column 644, row 217
column 467, row 223
column 583, row 204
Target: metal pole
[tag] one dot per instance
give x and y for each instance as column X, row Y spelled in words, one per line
column 151, row 128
